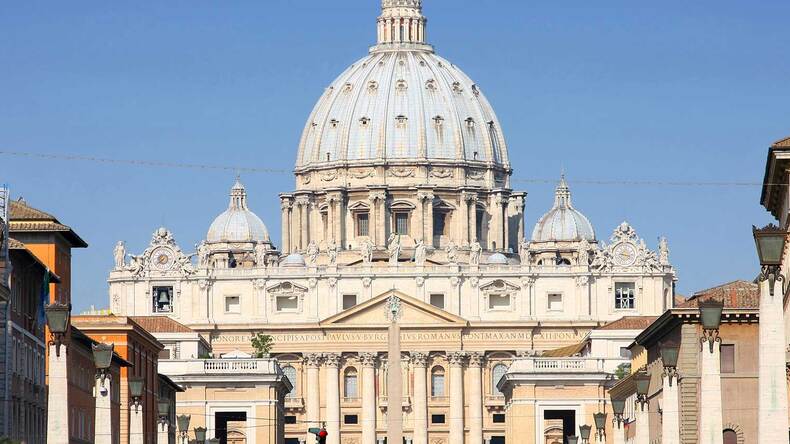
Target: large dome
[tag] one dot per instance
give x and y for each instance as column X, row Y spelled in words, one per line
column 563, row 222
column 402, row 102
column 238, row 223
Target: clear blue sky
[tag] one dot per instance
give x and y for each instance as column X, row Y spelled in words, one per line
column 682, row 91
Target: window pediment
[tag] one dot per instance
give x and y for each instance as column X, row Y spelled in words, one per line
column 286, row 288
column 498, row 285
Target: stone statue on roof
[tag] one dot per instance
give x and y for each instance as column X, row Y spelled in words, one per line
column 119, row 254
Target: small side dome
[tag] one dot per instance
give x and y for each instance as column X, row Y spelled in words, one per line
column 563, row 222
column 238, row 223
column 497, row 259
column 293, row 260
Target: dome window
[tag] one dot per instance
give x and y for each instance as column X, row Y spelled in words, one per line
column 333, row 123
column 373, row 86
column 348, row 87
column 400, row 120
column 438, row 121
column 470, row 123
column 401, row 85
column 430, row 84
column 457, row 87
column 475, row 90
column 364, row 121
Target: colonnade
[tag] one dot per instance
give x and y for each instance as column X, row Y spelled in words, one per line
column 417, row 428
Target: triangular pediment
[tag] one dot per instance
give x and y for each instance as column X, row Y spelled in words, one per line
column 413, row 312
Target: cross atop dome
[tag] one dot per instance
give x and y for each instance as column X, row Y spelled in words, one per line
column 401, row 23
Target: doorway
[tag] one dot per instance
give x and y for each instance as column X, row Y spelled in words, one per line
column 231, row 427
column 558, row 425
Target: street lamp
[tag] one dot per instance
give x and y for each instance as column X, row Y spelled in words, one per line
column 102, row 357
column 200, row 434
column 710, row 315
column 600, row 424
column 163, row 408
column 642, row 380
column 183, row 426
column 618, row 407
column 770, row 241
column 136, row 386
column 572, row 439
column 584, row 431
column 212, row 441
column 669, row 357
column 58, row 316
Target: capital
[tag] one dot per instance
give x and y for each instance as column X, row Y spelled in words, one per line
column 419, row 359
column 476, row 359
column 313, row 359
column 456, row 358
column 332, row 359
column 368, row 359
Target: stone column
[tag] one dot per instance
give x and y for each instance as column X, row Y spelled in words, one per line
column 57, row 396
column 296, row 220
column 427, row 202
column 710, row 422
column 772, row 377
column 506, row 222
column 475, row 384
column 136, row 424
column 495, row 230
column 642, row 417
column 103, row 414
column 670, row 418
column 285, row 207
column 368, row 397
column 394, row 378
column 456, row 396
column 332, row 380
column 472, row 202
column 463, row 222
column 419, row 362
column 313, row 402
column 162, row 432
column 520, row 213
column 304, row 222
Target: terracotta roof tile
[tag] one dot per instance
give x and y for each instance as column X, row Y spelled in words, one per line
column 782, row 143
column 24, row 218
column 14, row 244
column 736, row 294
column 629, row 323
column 567, row 351
column 161, row 324
column 20, row 210
column 679, row 299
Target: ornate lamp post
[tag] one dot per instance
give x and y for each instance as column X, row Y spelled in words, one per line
column 200, row 435
column 710, row 424
column 183, row 427
column 600, row 425
column 771, row 381
column 670, row 423
column 618, row 407
column 136, row 387
column 58, row 317
column 163, row 408
column 102, row 358
column 572, row 439
column 584, row 431
column 642, row 380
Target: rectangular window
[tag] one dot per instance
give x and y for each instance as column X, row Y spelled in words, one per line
column 162, row 299
column 727, row 358
column 437, row 384
column 232, row 304
column 437, row 300
column 437, row 419
column 362, row 224
column 439, row 219
column 624, row 295
column 499, row 418
column 402, row 223
column 164, row 354
column 349, row 300
column 350, row 419
column 287, row 303
column 497, row 301
column 290, row 419
column 554, row 301
column 625, row 352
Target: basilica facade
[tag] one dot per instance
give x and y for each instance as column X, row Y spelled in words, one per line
column 402, row 189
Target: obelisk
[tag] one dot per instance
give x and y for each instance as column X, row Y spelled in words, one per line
column 394, row 376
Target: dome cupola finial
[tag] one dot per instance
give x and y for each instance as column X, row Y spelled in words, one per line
column 401, row 22
column 562, row 194
column 238, row 196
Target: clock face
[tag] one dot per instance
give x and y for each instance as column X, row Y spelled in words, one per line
column 624, row 255
column 162, row 259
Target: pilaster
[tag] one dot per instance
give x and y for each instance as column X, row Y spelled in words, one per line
column 419, row 361
column 332, row 380
column 456, row 359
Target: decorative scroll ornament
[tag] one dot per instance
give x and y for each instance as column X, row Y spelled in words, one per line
column 442, row 173
column 163, row 256
column 419, row 280
column 329, row 176
column 401, row 172
column 626, row 251
column 394, row 309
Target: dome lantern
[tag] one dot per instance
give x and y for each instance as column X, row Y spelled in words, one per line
column 401, row 22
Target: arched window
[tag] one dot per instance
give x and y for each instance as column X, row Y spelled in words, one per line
column 497, row 373
column 437, row 381
column 290, row 372
column 730, row 437
column 350, row 383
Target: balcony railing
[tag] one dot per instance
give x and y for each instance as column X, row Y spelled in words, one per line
column 230, row 367
column 383, row 403
column 565, row 365
column 294, row 402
